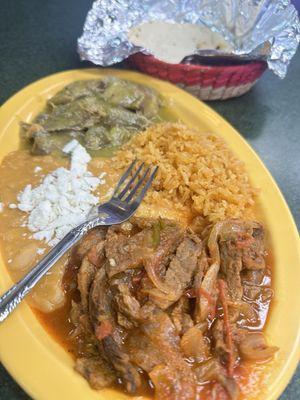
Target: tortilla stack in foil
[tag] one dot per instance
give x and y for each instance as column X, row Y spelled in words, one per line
column 260, row 30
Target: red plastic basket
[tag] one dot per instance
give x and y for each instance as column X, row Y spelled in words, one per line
column 205, row 82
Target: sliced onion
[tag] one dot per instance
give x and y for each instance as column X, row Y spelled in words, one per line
column 212, row 243
column 253, row 347
column 193, row 343
column 156, row 280
column 208, row 284
column 223, row 228
column 172, row 296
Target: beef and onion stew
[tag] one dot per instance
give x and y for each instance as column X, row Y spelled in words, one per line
column 160, row 309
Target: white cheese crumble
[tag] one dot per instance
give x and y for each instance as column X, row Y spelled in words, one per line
column 40, row 251
column 69, row 147
column 37, row 169
column 12, row 205
column 1, row 207
column 63, row 199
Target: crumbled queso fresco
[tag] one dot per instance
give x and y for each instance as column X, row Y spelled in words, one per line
column 37, row 169
column 63, row 199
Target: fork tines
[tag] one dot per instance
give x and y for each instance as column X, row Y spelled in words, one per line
column 135, row 182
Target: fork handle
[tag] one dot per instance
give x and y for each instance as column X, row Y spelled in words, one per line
column 10, row 299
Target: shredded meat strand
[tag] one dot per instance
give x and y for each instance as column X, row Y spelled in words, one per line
column 227, row 327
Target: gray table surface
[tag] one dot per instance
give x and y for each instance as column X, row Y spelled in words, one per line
column 38, row 38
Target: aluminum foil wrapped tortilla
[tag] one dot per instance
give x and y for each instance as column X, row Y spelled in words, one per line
column 252, row 29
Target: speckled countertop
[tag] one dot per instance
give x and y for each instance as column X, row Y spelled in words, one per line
column 38, row 38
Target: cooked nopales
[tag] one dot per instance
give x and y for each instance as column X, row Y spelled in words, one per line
column 99, row 113
column 171, row 303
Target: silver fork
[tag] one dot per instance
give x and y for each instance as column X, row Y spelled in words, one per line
column 127, row 197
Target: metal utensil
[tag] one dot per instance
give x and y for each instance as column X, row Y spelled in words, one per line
column 124, row 202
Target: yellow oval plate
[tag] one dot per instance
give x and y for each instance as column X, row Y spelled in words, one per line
column 41, row 366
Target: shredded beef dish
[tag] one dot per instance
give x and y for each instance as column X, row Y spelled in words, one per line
column 171, row 306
